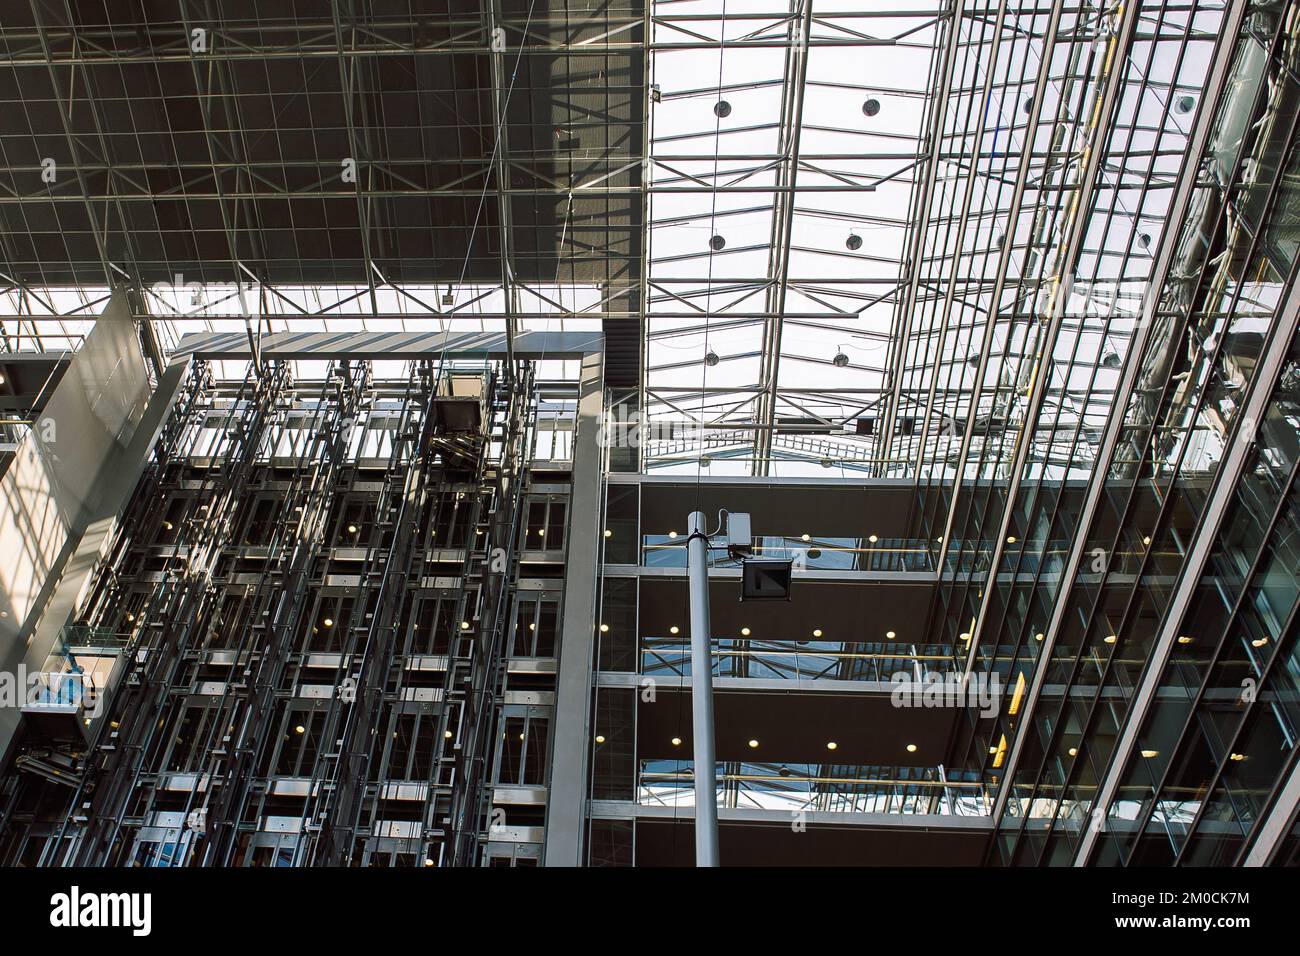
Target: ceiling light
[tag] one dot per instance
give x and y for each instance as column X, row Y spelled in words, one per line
column 673, row 629
column 871, row 107
column 464, row 625
column 1237, row 757
column 1146, row 540
column 872, row 538
column 328, row 622
column 608, row 533
column 428, row 862
column 1110, row 359
column 600, row 738
column 831, row 745
column 1259, row 642
column 352, row 529
column 853, row 242
column 744, row 632
column 300, row 729
column 677, row 741
column 710, row 358
column 806, row 537
column 1011, row 539
column 1184, row 104
column 717, row 243
column 1110, row 638
column 1039, row 636
column 604, row 628
column 753, row 744
column 447, row 734
column 890, row 634
column 840, row 360
column 167, row 525
column 672, row 534
column 827, row 462
column 722, row 109
column 911, row 748
column 1150, row 753
column 817, row 632
column 1144, row 239
column 1074, row 751
column 1184, row 639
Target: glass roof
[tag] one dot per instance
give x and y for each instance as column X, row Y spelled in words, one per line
column 836, row 196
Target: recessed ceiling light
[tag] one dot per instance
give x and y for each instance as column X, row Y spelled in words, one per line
column 831, row 745
column 300, row 729
column 447, row 734
column 1184, row 639
column 870, row 106
column 1237, row 757
column 428, row 862
column 1110, row 638
column 464, row 625
column 600, row 738
column 673, row 629
column 1011, row 539
column 817, row 632
column 1259, row 642
column 672, row 534
column 1039, row 636
column 352, row 529
column 328, row 622
column 722, row 109
column 853, row 242
column 717, row 243
column 677, row 741
column 806, row 537
column 890, row 634
column 604, row 628
column 1150, row 753
column 711, row 358
column 1146, row 539
column 1074, row 751
column 911, row 748
column 608, row 533
column 872, row 538
column 753, row 744
column 744, row 632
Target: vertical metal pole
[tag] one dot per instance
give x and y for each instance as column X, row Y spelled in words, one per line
column 706, row 800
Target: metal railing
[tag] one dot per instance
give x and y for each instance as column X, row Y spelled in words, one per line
column 794, row 660
column 834, row 788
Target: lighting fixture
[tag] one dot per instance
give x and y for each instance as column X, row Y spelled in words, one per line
column 600, row 738
column 744, row 632
column 853, row 242
column 806, row 537
column 1011, row 539
column 447, row 734
column 817, row 632
column 872, row 538
column 871, row 106
column 328, row 622
column 672, row 534
column 1039, row 636
column 1184, row 639
column 717, row 243
column 604, row 628
column 1111, row 638
column 1259, row 642
column 464, row 625
column 352, row 529
column 840, row 360
column 608, row 533
column 167, row 525
column 831, row 745
column 300, row 729
column 677, row 741
column 428, row 862
column 1184, row 104
column 890, row 634
column 710, row 358
column 722, row 109
column 673, row 629
column 911, row 748
column 1237, row 757
column 1150, row 753
column 753, row 744
column 1146, row 541
column 1074, row 751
